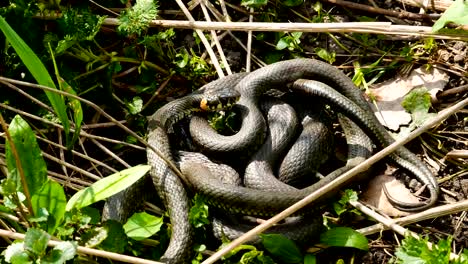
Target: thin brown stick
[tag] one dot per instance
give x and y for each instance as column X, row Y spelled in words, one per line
column 61, row 151
column 104, row 8
column 106, row 115
column 69, row 180
column 440, row 5
column 392, row 225
column 249, row 45
column 101, row 125
column 82, row 133
column 216, row 40
column 430, row 213
column 202, row 37
column 32, row 98
column 110, row 153
column 354, row 27
column 343, row 178
column 73, row 167
column 158, row 91
column 93, row 165
column 381, row 11
column 224, row 9
column 453, row 91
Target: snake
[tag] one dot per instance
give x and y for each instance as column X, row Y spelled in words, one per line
column 286, row 75
column 168, row 185
column 282, row 123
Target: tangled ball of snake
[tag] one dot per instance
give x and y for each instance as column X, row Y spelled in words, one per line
column 284, row 136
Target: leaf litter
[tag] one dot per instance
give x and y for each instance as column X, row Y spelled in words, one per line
column 390, row 94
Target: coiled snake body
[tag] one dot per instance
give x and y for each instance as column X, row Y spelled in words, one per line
column 168, row 185
column 344, row 96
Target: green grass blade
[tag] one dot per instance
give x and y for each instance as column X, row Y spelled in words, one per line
column 38, row 71
column 74, row 104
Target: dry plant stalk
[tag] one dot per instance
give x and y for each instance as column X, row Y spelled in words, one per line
column 391, row 224
column 439, row 5
column 352, row 27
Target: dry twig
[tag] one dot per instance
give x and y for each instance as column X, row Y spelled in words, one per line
column 391, row 224
column 354, row 27
column 381, row 11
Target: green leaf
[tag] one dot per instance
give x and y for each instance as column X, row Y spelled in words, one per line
column 416, row 250
column 358, row 77
column 182, row 58
column 407, row 259
column 282, row 43
column 35, row 241
column 94, row 236
column 116, row 240
column 107, row 187
column 290, row 41
column 51, row 197
column 418, row 102
column 135, row 106
column 325, row 55
column 342, row 205
column 93, row 214
column 282, row 248
column 296, row 36
column 9, row 185
column 292, row 3
column 34, row 166
column 199, row 213
column 344, row 237
column 110, row 237
column 138, row 18
column 142, row 225
column 38, row 71
column 310, row 259
column 457, row 13
column 74, row 104
column 62, row 252
column 15, row 253
column 250, row 257
column 237, row 249
column 254, row 3
column 40, row 216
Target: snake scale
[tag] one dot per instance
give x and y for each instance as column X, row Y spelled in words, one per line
column 329, row 84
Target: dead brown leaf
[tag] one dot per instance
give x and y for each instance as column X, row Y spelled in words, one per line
column 375, row 196
column 391, row 93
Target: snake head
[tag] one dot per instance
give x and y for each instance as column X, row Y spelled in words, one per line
column 219, row 101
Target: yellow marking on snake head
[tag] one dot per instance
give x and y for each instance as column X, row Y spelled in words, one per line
column 204, row 105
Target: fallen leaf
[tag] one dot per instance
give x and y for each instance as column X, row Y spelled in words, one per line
column 390, row 94
column 375, row 195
